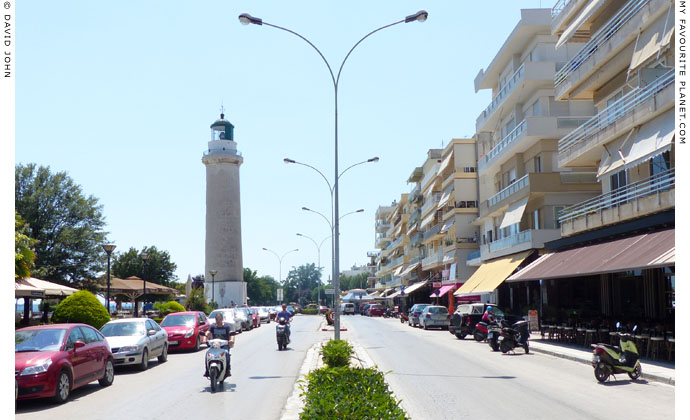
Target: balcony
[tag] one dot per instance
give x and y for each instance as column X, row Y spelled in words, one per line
column 528, row 77
column 602, row 56
column 433, row 231
column 432, row 260
column 431, row 202
column 474, row 258
column 382, row 226
column 429, row 176
column 624, row 114
column 522, row 241
column 509, row 190
column 417, row 239
column 394, row 244
column 650, row 195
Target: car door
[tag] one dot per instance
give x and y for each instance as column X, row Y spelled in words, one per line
column 95, row 351
column 202, row 324
column 154, row 341
column 78, row 358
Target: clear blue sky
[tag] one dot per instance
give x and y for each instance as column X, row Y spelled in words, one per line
column 121, row 95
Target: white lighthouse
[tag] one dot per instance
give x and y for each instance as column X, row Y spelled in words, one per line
column 226, row 285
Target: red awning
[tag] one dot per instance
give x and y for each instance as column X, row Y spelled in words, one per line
column 443, row 290
column 649, row 250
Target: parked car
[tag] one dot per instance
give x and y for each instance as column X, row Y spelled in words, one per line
column 415, row 312
column 264, row 315
column 133, row 341
column 466, row 316
column 434, row 316
column 228, row 318
column 256, row 320
column 363, row 308
column 52, row 360
column 347, row 308
column 242, row 315
column 272, row 311
column 323, row 309
column 186, row 330
column 375, row 310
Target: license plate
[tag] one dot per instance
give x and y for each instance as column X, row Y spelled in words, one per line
column 174, row 343
column 595, row 358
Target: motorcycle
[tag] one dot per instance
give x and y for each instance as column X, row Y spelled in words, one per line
column 281, row 334
column 515, row 336
column 481, row 330
column 494, row 331
column 216, row 361
column 387, row 313
column 404, row 318
column 608, row 360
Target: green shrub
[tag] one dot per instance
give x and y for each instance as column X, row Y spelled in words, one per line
column 158, row 320
column 313, row 311
column 336, row 353
column 349, row 393
column 170, row 307
column 83, row 307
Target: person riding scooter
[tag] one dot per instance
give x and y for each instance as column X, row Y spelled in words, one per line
column 224, row 332
column 288, row 319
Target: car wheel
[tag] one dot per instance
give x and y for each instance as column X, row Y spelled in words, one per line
column 197, row 344
column 62, row 388
column 144, row 360
column 109, row 376
column 424, row 326
column 164, row 355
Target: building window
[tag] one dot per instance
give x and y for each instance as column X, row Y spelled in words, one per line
column 512, row 176
column 536, row 218
column 537, row 164
column 618, row 182
column 536, row 108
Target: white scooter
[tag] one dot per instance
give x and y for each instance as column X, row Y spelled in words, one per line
column 215, row 362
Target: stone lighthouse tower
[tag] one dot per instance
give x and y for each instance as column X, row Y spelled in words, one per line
column 224, row 282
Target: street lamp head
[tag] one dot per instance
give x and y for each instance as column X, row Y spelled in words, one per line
column 144, row 256
column 288, row 160
column 265, row 249
column 306, row 209
column 359, row 211
column 108, row 248
column 213, row 272
column 246, row 19
column 299, row 234
column 374, row 159
column 420, row 16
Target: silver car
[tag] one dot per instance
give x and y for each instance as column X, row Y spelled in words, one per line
column 228, row 318
column 133, row 341
column 242, row 316
column 434, row 316
column 263, row 314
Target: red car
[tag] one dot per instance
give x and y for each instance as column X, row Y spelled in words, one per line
column 256, row 318
column 186, row 330
column 52, row 360
column 375, row 310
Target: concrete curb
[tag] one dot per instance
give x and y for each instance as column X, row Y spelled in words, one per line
column 648, row 376
column 295, row 402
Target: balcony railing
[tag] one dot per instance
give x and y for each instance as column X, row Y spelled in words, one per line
column 429, row 176
column 509, row 241
column 473, row 255
column 505, row 141
column 416, row 239
column 558, row 7
column 498, row 99
column 396, row 261
column 394, row 244
column 615, row 111
column 431, row 202
column 433, row 231
column 510, row 189
column 433, row 259
column 626, row 13
column 414, row 217
column 652, row 185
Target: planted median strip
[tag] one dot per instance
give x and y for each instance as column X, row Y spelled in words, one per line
column 341, row 391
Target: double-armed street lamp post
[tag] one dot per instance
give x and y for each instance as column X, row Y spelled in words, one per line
column 280, row 262
column 246, row 19
column 318, row 256
column 108, row 248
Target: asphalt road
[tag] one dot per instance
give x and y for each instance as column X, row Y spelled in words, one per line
column 438, row 376
column 262, row 380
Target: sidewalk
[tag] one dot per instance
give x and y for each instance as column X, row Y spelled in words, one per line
column 657, row 371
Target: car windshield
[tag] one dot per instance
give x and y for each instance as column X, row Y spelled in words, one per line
column 117, row 329
column 39, row 340
column 498, row 312
column 178, row 321
column 213, row 314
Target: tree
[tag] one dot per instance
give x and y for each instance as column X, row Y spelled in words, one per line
column 195, row 301
column 261, row 290
column 301, row 281
column 67, row 226
column 159, row 268
column 358, row 281
column 24, row 255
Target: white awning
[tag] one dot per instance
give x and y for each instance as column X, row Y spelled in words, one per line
column 409, row 269
column 652, row 138
column 427, row 220
column 586, row 13
column 446, row 227
column 410, row 289
column 397, row 271
column 449, row 258
column 445, row 163
column 397, row 230
column 445, row 197
column 514, row 213
column 652, row 39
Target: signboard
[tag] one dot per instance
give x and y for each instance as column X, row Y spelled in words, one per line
column 436, row 284
column 329, row 291
column 280, row 294
column 533, row 317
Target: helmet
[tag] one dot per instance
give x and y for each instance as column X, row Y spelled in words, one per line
column 489, row 309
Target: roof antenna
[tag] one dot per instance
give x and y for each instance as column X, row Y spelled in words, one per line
column 222, row 110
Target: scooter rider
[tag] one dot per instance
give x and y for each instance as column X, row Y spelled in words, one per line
column 488, row 316
column 287, row 315
column 224, row 332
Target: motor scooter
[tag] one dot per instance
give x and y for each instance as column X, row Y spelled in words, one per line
column 608, row 360
column 404, row 317
column 281, row 334
column 494, row 331
column 216, row 362
column 481, row 330
column 515, row 336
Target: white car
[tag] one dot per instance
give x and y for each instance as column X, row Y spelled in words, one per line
column 133, row 341
column 228, row 318
column 347, row 308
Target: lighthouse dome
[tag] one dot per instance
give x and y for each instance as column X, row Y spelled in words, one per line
column 222, row 129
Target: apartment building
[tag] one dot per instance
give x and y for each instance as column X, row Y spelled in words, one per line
column 522, row 188
column 617, row 253
column 382, row 226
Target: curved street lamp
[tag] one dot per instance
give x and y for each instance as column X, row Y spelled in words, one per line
column 108, row 248
column 280, row 262
column 246, row 19
column 318, row 256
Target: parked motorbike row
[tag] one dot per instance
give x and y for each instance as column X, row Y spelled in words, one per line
column 502, row 336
